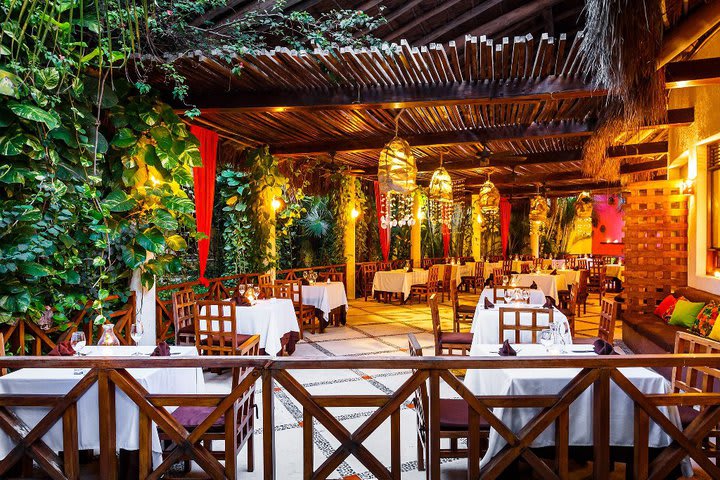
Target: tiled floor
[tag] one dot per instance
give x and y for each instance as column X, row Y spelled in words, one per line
column 372, row 329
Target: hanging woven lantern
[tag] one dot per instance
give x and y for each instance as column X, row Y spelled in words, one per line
column 397, row 170
column 538, row 213
column 583, row 214
column 489, row 198
column 441, row 186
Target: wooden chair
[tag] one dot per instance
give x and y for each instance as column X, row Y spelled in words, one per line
column 454, row 419
column 385, row 266
column 582, row 291
column 524, row 268
column 581, row 263
column 498, row 274
column 447, row 341
column 537, row 263
column 475, row 279
column 516, row 327
column 235, row 429
column 368, row 275
column 430, row 288
column 444, row 282
column 333, row 277
column 426, row 263
column 507, row 267
column 570, row 309
column 697, row 380
column 306, row 314
column 570, row 262
column 501, row 298
column 184, row 308
column 265, row 279
column 596, row 280
column 461, row 313
column 216, row 328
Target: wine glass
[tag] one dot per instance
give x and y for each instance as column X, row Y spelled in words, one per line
column 546, row 339
column 505, row 279
column 526, row 296
column 136, row 332
column 241, row 289
column 78, row 342
column 508, row 295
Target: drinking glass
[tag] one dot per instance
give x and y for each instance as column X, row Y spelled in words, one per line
column 78, row 342
column 136, row 332
column 508, row 295
column 505, row 279
column 546, row 339
column 241, row 289
column 525, row 296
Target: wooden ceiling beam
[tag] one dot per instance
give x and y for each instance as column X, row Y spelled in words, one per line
column 398, row 96
column 693, row 73
column 702, row 20
column 676, row 117
column 461, row 19
column 399, row 32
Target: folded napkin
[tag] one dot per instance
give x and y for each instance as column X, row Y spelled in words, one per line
column 549, row 302
column 241, row 301
column 304, row 281
column 576, row 268
column 162, row 350
column 488, row 304
column 507, row 350
column 601, row 347
column 554, row 272
column 533, row 285
column 62, row 349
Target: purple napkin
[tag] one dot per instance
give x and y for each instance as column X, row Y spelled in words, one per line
column 507, row 350
column 62, row 349
column 533, row 285
column 162, row 350
column 601, row 347
column 488, row 304
column 549, row 302
column 554, row 272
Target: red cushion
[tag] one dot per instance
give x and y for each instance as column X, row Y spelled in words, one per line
column 454, row 415
column 454, row 337
column 665, row 305
column 191, row 417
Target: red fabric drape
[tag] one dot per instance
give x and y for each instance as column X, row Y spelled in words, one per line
column 446, row 240
column 204, row 179
column 381, row 207
column 504, row 224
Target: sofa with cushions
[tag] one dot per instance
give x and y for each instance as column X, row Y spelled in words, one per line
column 651, row 333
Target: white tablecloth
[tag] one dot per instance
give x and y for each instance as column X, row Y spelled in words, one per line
column 271, row 319
column 537, row 296
column 489, row 268
column 550, row 284
column 558, row 263
column 486, row 324
column 59, row 381
column 325, row 296
column 549, row 381
column 571, row 276
column 617, row 271
column 399, row 281
column 467, row 270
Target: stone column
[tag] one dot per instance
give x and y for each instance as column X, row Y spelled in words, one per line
column 535, row 239
column 476, row 228
column 349, row 239
column 145, row 311
column 270, row 214
column 415, row 237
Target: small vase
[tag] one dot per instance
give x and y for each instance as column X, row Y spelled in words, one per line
column 108, row 337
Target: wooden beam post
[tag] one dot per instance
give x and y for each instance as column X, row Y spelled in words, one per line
column 145, row 308
column 349, row 240
column 704, row 18
column 415, row 237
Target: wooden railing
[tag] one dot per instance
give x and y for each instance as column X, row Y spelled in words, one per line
column 23, row 332
column 596, row 374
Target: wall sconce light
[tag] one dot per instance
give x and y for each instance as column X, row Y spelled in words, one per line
column 354, row 213
column 717, row 274
column 276, row 204
column 687, row 187
column 421, row 215
column 479, row 219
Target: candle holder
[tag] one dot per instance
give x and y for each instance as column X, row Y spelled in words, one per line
column 108, row 337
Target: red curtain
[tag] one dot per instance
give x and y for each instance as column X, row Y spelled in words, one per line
column 381, row 207
column 504, row 224
column 446, row 240
column 204, row 179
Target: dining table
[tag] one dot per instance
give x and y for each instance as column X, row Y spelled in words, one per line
column 59, row 381
column 326, row 297
column 537, row 296
column 399, row 281
column 615, row 271
column 572, row 277
column 273, row 319
column 486, row 323
column 550, row 381
column 550, row 284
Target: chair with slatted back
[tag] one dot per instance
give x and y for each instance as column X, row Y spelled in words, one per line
column 596, row 280
column 474, row 280
column 525, row 268
column 368, row 275
column 306, row 314
column 702, row 379
column 385, row 266
column 461, row 313
column 237, row 427
column 507, row 267
column 447, row 341
column 510, row 321
column 454, row 419
column 498, row 274
column 444, row 281
column 537, row 263
column 184, row 310
column 333, row 277
column 424, row 290
column 570, row 262
column 571, row 307
column 582, row 291
column 265, row 279
column 581, row 263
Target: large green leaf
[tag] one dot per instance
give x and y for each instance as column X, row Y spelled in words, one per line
column 48, row 78
column 132, row 256
column 179, row 204
column 176, row 242
column 10, row 174
column 34, row 113
column 9, row 84
column 124, row 138
column 151, row 239
column 119, row 201
column 164, row 220
column 162, row 136
column 12, row 144
column 34, row 269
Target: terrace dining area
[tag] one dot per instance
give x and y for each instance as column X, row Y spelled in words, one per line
column 351, row 240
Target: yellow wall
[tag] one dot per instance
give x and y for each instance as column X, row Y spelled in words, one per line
column 687, row 157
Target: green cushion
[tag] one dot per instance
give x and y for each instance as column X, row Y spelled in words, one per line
column 685, row 313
